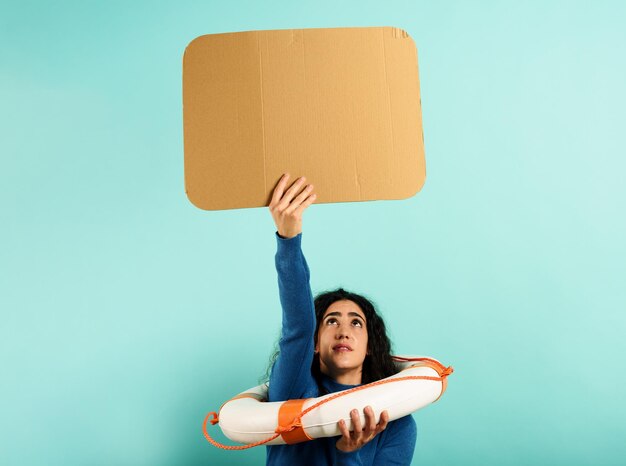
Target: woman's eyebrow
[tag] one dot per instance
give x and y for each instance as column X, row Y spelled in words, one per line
column 338, row 314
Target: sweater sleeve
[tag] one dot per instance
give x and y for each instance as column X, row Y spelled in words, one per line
column 352, row 458
column 398, row 446
column 291, row 374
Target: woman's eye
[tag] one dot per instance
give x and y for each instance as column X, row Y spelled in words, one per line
column 331, row 321
column 357, row 323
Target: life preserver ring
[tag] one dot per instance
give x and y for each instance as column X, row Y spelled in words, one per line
column 249, row 419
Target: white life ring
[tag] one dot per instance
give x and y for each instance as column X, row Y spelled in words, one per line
column 249, row 419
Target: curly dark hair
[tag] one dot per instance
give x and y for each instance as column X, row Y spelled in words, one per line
column 378, row 363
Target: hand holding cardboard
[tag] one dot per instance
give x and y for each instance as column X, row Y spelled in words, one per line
column 287, row 208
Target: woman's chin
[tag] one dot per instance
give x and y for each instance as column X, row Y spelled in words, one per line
column 343, row 367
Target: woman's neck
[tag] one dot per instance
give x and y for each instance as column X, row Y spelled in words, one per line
column 348, row 377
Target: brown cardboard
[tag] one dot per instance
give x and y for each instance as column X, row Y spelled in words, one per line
column 339, row 106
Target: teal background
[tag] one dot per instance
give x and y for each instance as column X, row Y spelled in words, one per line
column 127, row 313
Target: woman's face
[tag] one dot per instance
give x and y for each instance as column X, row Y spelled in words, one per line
column 342, row 342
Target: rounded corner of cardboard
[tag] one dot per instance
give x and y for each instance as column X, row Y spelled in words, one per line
column 416, row 188
column 192, row 42
column 196, row 202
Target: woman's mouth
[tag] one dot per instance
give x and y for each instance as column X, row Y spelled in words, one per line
column 342, row 347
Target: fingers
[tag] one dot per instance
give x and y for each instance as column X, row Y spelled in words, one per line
column 356, row 421
column 371, row 428
column 351, row 441
column 300, row 203
column 310, row 200
column 281, row 198
column 382, row 425
column 291, row 192
column 283, row 201
column 343, row 428
column 370, row 420
column 279, row 189
column 287, row 211
column 298, row 200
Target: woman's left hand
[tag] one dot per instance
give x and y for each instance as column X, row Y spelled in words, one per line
column 351, row 441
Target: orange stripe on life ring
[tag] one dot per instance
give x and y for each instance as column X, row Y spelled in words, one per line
column 289, row 423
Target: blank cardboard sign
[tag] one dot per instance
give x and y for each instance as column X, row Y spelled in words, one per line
column 339, row 106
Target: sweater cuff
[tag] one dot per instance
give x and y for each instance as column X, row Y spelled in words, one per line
column 289, row 243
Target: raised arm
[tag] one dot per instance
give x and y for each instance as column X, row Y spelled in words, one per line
column 291, row 374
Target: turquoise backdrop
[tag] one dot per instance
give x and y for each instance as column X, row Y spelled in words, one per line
column 127, row 313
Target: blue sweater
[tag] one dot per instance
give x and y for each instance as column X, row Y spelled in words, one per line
column 291, row 377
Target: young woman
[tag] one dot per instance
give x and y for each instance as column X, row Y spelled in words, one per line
column 331, row 344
